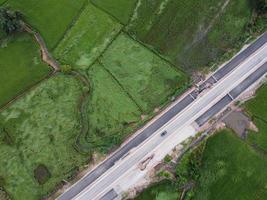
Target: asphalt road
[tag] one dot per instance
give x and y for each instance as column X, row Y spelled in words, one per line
column 100, row 181
column 227, row 99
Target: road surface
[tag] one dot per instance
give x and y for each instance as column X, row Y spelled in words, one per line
column 192, row 108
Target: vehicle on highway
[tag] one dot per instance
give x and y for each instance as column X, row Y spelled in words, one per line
column 163, row 133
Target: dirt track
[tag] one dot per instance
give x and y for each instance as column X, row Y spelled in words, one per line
column 46, row 56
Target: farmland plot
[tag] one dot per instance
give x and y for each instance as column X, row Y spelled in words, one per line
column 190, row 33
column 18, row 69
column 87, row 39
column 112, row 114
column 51, row 18
column 120, row 9
column 37, row 134
column 143, row 74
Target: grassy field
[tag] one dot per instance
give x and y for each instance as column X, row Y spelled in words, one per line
column 164, row 26
column 120, row 9
column 257, row 110
column 144, row 75
column 2, row 1
column 87, row 39
column 231, row 170
column 111, row 113
column 51, row 18
column 20, row 65
column 40, row 129
column 228, row 169
column 164, row 190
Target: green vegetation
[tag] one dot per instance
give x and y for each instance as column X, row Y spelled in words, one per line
column 257, row 106
column 10, row 21
column 41, row 129
column 167, row 159
column 87, row 39
column 228, row 169
column 213, row 28
column 120, row 9
column 41, row 174
column 231, row 170
column 146, row 77
column 164, row 190
column 257, row 110
column 20, row 65
column 51, row 18
column 111, row 113
column 2, row 1
column 110, row 75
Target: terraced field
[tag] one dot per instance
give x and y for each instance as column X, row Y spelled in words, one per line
column 19, row 70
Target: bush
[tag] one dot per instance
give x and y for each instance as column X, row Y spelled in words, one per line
column 164, row 174
column 10, row 21
column 66, row 69
column 167, row 159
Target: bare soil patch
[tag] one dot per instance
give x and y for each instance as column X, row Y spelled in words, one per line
column 238, row 122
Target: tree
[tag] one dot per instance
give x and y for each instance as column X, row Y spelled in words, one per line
column 10, row 21
column 260, row 6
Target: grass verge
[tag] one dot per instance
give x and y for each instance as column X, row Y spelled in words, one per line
column 164, row 190
column 256, row 108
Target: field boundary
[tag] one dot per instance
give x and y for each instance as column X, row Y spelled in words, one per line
column 46, row 58
column 72, row 23
column 104, row 50
column 25, row 91
column 155, row 52
column 121, row 86
column 106, row 12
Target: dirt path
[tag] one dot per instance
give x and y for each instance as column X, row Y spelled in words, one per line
column 46, row 56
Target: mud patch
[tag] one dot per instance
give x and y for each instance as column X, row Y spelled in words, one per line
column 41, row 174
column 239, row 123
